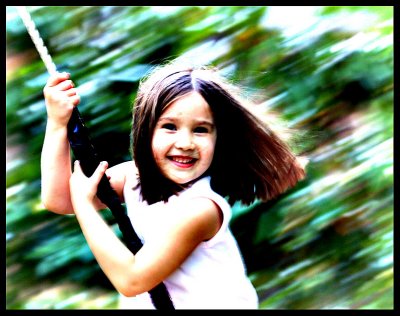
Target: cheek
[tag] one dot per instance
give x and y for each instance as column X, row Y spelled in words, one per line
column 157, row 146
column 155, row 154
column 208, row 151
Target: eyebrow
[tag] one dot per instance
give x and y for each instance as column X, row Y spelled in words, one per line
column 200, row 122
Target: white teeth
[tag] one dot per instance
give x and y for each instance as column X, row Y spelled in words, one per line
column 182, row 160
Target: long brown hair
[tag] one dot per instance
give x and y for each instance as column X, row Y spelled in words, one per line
column 251, row 161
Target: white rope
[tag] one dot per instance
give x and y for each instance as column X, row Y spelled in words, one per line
column 37, row 40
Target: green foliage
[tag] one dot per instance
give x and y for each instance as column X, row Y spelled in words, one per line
column 325, row 244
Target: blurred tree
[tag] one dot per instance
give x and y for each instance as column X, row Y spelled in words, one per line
column 327, row 243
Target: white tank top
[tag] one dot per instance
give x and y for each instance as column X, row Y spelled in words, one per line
column 213, row 276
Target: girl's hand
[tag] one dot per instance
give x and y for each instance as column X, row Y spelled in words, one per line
column 83, row 189
column 61, row 97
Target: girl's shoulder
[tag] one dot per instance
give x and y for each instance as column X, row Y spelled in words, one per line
column 201, row 197
column 202, row 189
column 125, row 166
column 123, row 170
column 122, row 173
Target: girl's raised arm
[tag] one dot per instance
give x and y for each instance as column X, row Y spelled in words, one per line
column 60, row 97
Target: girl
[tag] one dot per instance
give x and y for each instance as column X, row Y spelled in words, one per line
column 196, row 150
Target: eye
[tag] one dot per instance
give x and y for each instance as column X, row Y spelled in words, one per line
column 169, row 126
column 201, row 129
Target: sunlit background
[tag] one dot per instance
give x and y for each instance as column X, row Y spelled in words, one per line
column 325, row 244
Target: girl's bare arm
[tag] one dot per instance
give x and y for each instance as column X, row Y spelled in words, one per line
column 180, row 230
column 61, row 97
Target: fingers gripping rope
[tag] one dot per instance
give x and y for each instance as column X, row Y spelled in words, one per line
column 37, row 40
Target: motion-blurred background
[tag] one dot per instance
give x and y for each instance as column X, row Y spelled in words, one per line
column 326, row 244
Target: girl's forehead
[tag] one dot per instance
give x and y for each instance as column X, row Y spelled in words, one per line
column 192, row 104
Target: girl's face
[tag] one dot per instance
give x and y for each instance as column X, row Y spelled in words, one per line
column 184, row 139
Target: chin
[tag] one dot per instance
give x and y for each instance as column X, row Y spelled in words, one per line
column 181, row 181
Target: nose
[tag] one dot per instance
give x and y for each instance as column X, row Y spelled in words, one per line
column 184, row 141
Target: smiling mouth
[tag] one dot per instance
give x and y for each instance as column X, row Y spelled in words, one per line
column 182, row 161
